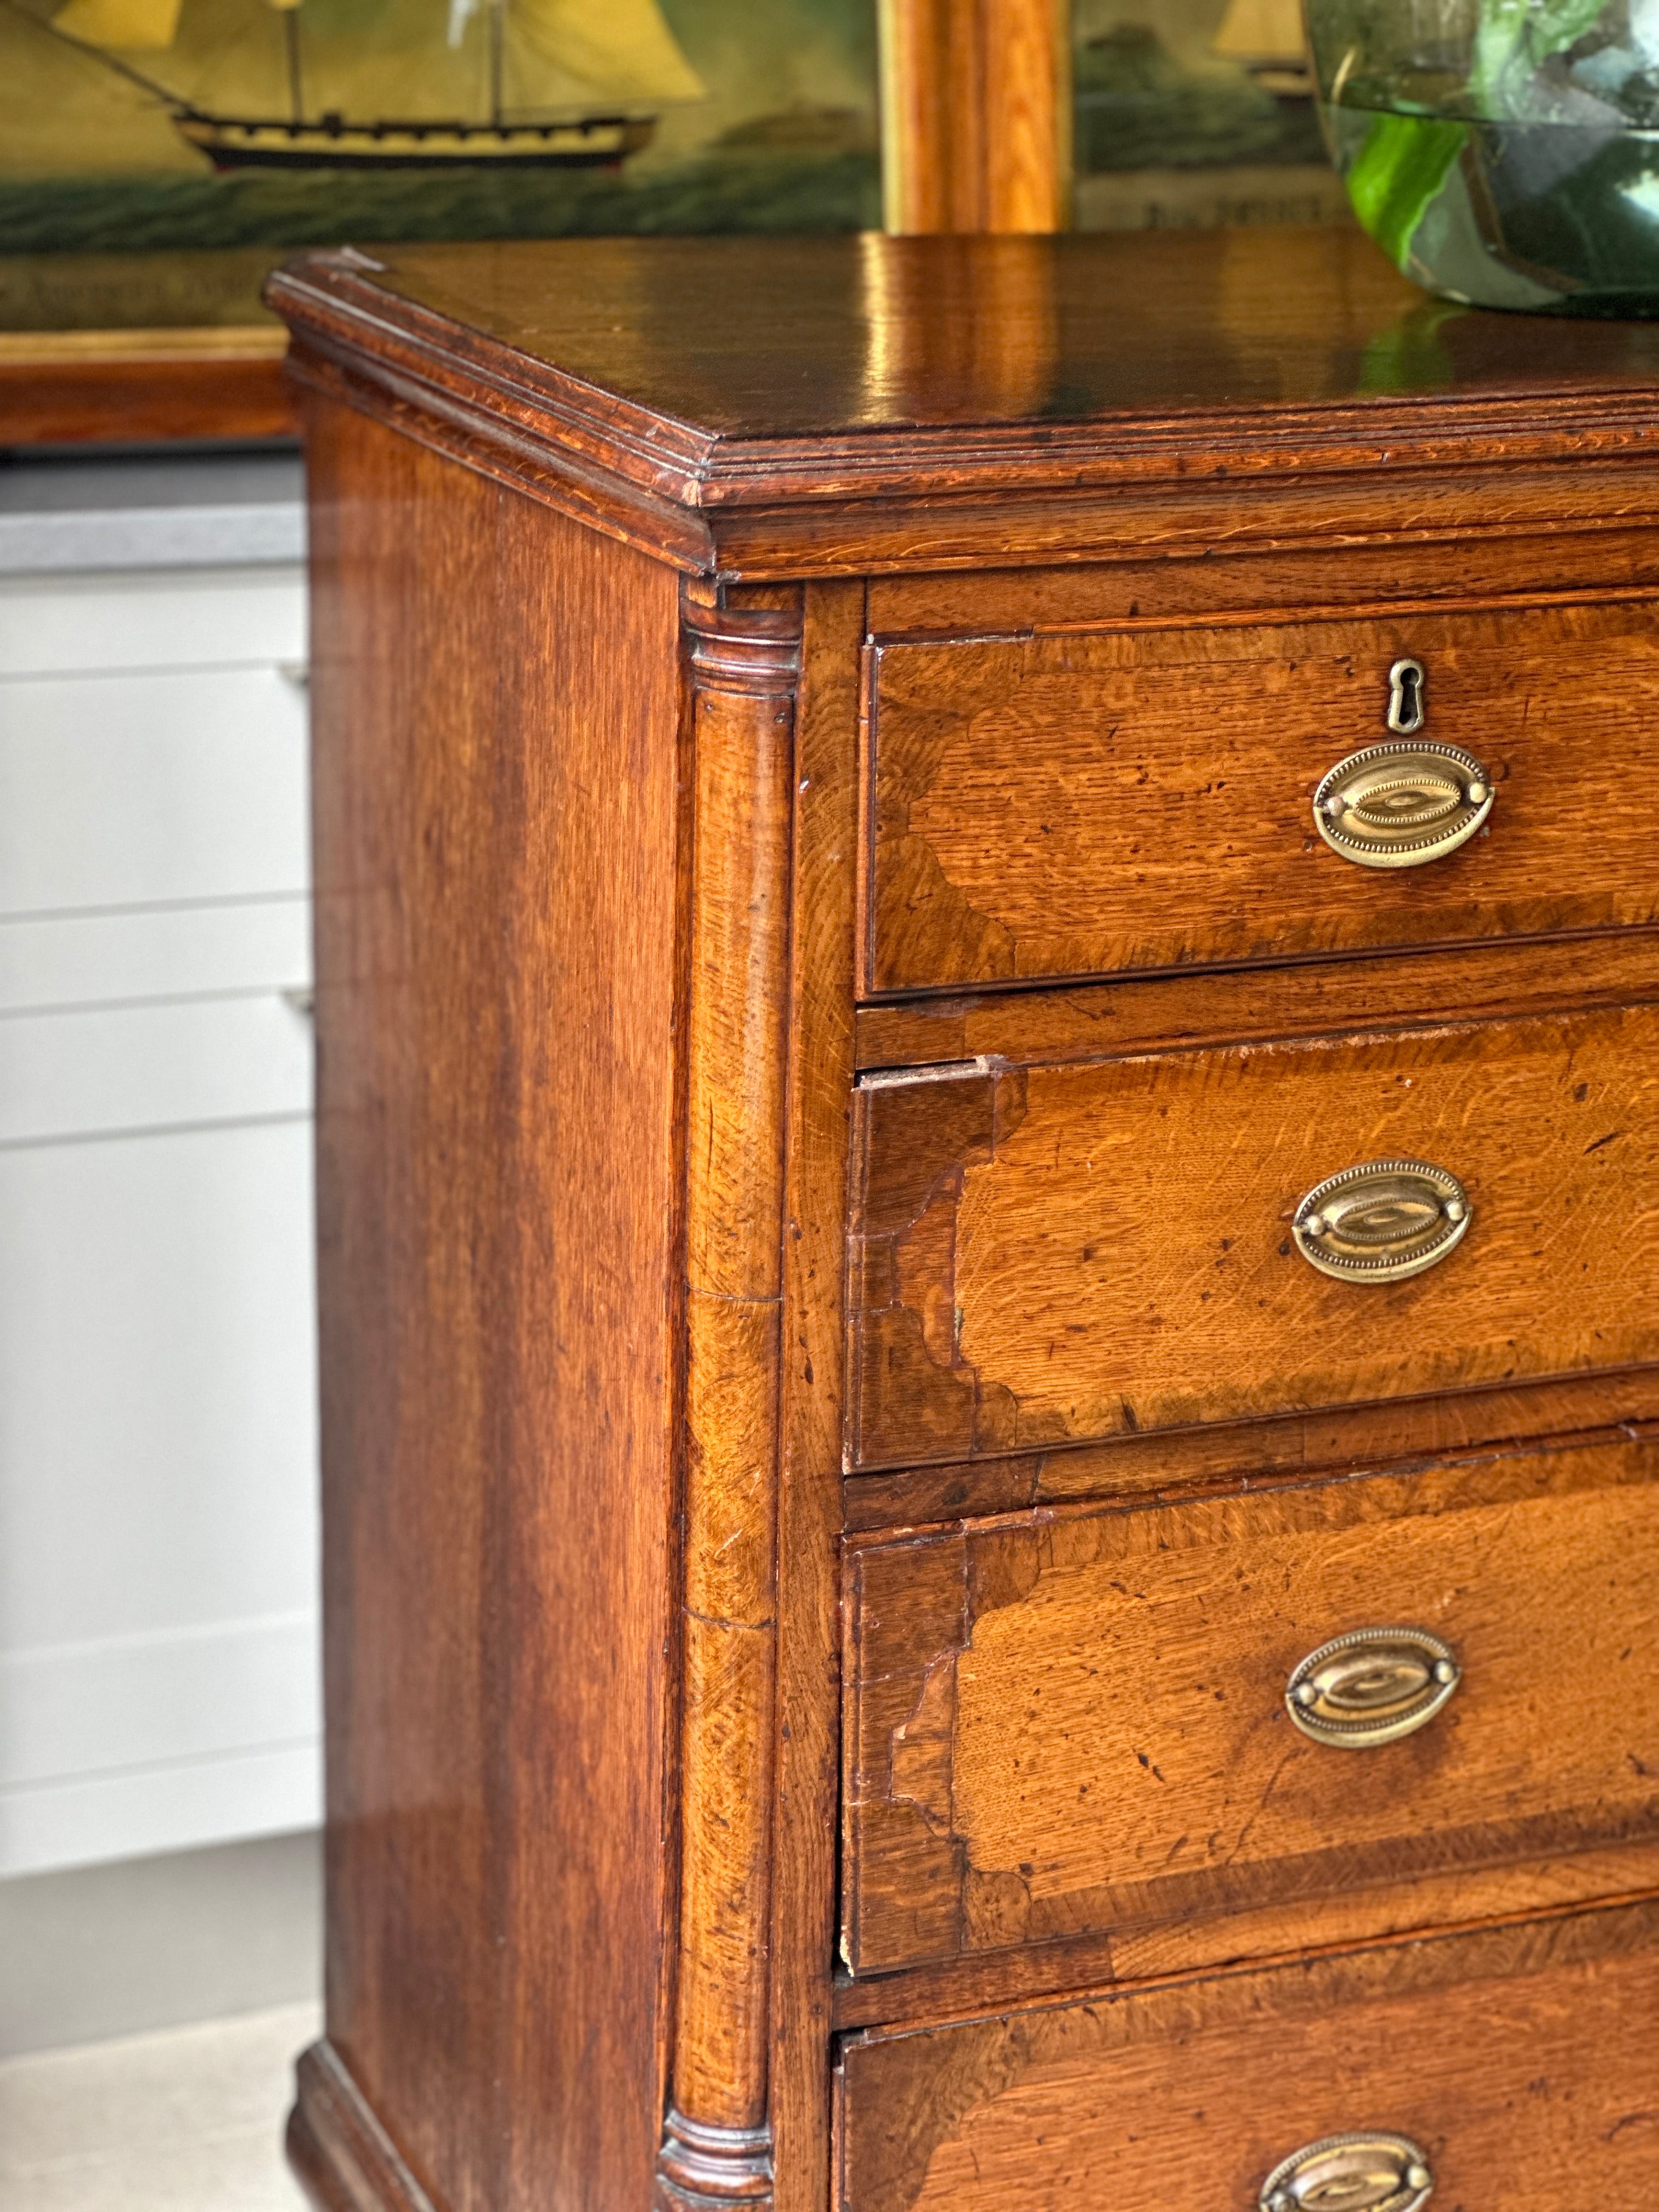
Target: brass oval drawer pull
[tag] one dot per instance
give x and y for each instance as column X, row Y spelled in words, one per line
column 1403, row 805
column 1371, row 1687
column 1381, row 1222
column 1350, row 2173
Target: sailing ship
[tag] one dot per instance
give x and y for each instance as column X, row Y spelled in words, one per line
column 1266, row 38
column 497, row 84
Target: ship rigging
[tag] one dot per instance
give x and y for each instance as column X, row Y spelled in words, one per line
column 506, row 83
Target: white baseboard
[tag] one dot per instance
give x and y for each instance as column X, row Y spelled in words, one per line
column 160, row 1742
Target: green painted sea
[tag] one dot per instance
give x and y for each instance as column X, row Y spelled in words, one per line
column 167, row 212
column 175, row 251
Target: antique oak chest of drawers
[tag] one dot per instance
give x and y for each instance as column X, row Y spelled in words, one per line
column 989, row 1001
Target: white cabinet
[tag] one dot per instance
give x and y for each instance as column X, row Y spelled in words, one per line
column 158, row 1543
column 157, row 1552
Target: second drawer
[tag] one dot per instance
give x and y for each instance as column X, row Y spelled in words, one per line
column 1074, row 1251
column 1070, row 1725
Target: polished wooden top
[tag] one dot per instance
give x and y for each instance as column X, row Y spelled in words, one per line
column 783, row 338
column 726, row 373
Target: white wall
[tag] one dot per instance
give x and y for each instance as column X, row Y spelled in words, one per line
column 158, row 1570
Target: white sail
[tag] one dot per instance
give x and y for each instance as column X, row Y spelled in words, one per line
column 1261, row 31
column 574, row 57
column 136, row 25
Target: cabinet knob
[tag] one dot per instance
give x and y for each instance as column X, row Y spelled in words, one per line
column 1371, row 1687
column 1350, row 2173
column 1400, row 806
column 1381, row 1222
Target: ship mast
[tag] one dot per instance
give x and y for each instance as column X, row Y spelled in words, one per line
column 570, row 82
column 289, row 12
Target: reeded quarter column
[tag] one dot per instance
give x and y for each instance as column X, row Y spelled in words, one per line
column 743, row 668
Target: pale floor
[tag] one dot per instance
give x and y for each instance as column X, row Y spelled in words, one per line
column 187, row 2120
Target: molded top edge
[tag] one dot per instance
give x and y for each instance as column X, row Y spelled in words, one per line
column 745, row 369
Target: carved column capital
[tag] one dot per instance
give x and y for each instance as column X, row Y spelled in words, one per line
column 754, row 652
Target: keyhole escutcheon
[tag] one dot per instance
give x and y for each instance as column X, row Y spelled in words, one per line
column 1405, row 696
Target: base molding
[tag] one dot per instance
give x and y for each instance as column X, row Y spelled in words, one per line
column 700, row 2168
column 344, row 2158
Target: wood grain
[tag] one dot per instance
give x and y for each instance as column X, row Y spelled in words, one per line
column 1084, row 803
column 106, row 399
column 813, row 1393
column 1460, row 571
column 788, row 408
column 1191, row 1940
column 495, row 709
column 976, row 115
column 1246, row 1455
column 1081, row 1250
column 744, row 666
column 1068, row 1721
column 338, row 2148
column 604, row 529
column 1520, row 2059
column 1158, row 1013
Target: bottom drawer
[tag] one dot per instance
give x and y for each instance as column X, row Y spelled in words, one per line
column 1516, row 2062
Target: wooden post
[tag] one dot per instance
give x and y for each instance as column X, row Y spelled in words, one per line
column 745, row 667
column 976, row 114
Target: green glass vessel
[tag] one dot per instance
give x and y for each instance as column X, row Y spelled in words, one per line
column 1503, row 153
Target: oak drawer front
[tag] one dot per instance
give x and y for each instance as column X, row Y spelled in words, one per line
column 1075, row 805
column 1516, row 2062
column 1078, row 1723
column 1070, row 1251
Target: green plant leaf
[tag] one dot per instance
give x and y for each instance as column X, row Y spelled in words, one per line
column 1404, row 160
column 1515, row 36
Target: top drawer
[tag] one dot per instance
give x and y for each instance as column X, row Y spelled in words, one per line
column 1074, row 805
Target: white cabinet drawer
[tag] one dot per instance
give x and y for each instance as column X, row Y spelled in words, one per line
column 183, row 618
column 159, row 952
column 171, row 1065
column 137, row 790
column 158, row 1412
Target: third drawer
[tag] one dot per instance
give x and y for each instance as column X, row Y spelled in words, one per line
column 1078, row 1723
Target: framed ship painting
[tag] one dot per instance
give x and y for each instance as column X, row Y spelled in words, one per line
column 157, row 156
column 1196, row 113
